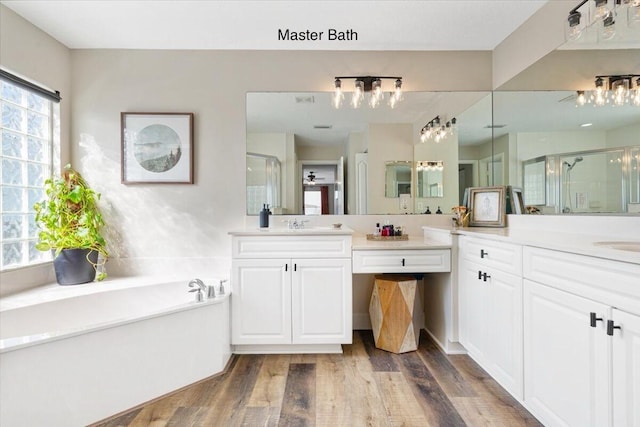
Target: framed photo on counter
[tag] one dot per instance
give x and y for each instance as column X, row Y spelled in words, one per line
column 487, row 206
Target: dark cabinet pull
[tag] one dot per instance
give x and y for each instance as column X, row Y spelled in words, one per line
column 286, row 267
column 295, row 267
column 593, row 319
column 483, row 253
column 611, row 327
column 483, row 276
column 403, row 262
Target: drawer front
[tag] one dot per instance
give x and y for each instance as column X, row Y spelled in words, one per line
column 488, row 253
column 610, row 282
column 402, row 261
column 291, row 246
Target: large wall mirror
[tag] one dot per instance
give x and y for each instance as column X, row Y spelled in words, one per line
column 571, row 159
column 343, row 161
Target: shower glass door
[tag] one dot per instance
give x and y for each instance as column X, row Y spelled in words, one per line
column 263, row 182
column 593, row 182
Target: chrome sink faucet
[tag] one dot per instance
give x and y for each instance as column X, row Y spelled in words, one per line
column 295, row 224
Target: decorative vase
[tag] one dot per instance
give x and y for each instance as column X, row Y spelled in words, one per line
column 75, row 266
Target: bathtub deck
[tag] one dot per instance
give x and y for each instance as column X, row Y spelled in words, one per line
column 363, row 386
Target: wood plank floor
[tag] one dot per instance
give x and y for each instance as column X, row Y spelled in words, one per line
column 364, row 386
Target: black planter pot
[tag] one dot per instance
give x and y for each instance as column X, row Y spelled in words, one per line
column 73, row 268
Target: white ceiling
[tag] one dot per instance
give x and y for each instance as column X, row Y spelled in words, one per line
column 244, row 24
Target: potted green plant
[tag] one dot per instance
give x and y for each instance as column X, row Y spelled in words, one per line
column 70, row 225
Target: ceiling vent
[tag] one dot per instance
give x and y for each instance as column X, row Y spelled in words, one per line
column 494, row 126
column 322, row 126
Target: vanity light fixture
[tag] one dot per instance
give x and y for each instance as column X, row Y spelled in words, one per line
column 429, row 166
column 367, row 84
column 615, row 90
column 601, row 16
column 437, row 130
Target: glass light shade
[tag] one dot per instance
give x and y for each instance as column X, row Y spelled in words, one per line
column 601, row 9
column 620, row 91
column 376, row 89
column 581, row 99
column 358, row 94
column 635, row 99
column 574, row 27
column 338, row 95
column 608, row 29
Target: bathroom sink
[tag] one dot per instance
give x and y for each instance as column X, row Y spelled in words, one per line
column 631, row 246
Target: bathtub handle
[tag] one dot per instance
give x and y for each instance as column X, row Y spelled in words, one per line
column 199, row 295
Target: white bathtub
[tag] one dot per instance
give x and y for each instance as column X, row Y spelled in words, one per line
column 90, row 351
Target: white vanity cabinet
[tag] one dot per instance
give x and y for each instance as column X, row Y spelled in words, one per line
column 490, row 308
column 291, row 292
column 582, row 339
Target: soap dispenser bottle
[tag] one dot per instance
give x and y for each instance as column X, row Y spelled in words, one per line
column 264, row 216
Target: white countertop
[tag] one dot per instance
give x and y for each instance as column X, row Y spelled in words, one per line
column 283, row 231
column 360, row 243
column 577, row 243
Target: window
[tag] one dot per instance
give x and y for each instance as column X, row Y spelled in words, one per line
column 27, row 122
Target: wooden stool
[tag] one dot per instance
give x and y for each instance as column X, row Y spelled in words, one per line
column 393, row 303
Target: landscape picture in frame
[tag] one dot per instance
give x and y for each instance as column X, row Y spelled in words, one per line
column 487, row 206
column 157, row 148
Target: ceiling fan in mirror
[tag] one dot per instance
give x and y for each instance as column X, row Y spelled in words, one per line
column 312, row 179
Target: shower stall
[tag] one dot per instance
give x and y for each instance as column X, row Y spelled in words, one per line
column 595, row 181
column 263, row 182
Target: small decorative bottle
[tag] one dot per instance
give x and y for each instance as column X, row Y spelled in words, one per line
column 439, row 212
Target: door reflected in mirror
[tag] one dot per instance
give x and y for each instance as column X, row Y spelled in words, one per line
column 429, row 179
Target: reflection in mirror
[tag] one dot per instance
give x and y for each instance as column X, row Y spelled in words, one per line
column 568, row 159
column 299, row 128
column 429, row 179
column 634, row 180
column 397, row 178
column 263, row 182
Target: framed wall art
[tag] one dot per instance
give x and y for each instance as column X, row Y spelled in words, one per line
column 487, row 206
column 157, row 148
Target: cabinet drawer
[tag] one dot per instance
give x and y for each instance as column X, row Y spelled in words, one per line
column 291, row 246
column 402, row 261
column 610, row 282
column 488, row 253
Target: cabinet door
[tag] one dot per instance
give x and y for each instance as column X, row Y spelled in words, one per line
column 491, row 322
column 566, row 360
column 321, row 293
column 504, row 334
column 473, row 310
column 261, row 301
column 626, row 369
